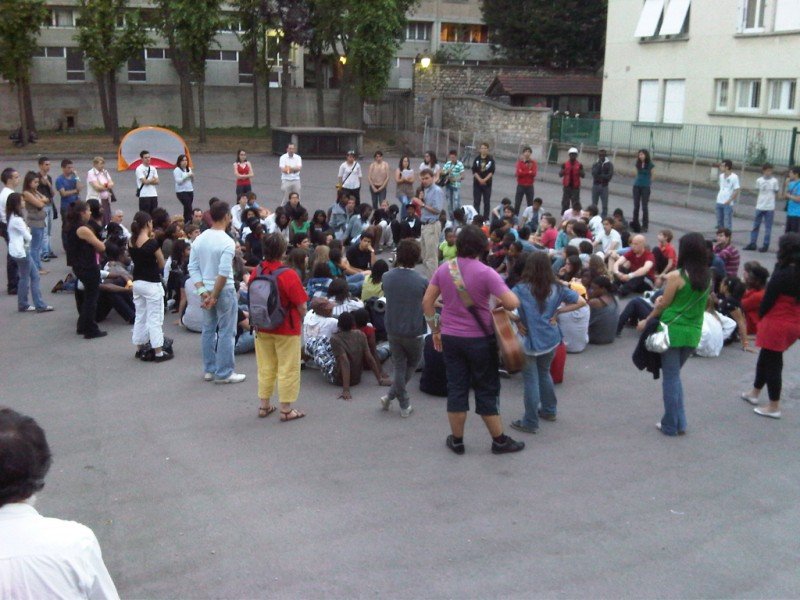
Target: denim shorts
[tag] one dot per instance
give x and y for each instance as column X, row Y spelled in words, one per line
column 472, row 363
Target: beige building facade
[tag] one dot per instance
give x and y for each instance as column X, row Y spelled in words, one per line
column 703, row 62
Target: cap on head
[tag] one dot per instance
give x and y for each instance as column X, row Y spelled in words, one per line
column 351, row 153
column 573, row 150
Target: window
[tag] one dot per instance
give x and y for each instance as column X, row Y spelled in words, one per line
column 418, row 31
column 62, row 17
column 787, row 15
column 121, row 21
column 676, row 19
column 649, row 18
column 158, row 54
column 137, row 68
column 245, row 69
column 782, row 93
column 464, row 34
column 674, row 97
column 753, row 15
column 49, row 52
column 76, row 71
column 214, row 55
column 231, row 55
column 748, row 95
column 721, row 95
column 648, row 100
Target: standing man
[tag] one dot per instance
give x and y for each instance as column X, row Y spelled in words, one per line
column 433, row 203
column 602, row 172
column 211, row 272
column 69, row 188
column 378, row 177
column 404, row 289
column 290, row 165
column 47, row 189
column 482, row 173
column 350, row 176
column 729, row 189
column 571, row 174
column 526, row 173
column 10, row 180
column 454, row 170
column 146, row 182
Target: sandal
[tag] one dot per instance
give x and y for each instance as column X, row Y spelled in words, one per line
column 291, row 415
column 265, row 411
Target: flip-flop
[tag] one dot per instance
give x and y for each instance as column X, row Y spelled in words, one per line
column 291, row 415
column 265, row 412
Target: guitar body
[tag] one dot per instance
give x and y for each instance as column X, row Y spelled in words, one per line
column 507, row 341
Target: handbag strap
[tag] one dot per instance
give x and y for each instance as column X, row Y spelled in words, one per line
column 685, row 310
column 466, row 299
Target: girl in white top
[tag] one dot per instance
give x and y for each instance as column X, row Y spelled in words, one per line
column 350, row 175
column 432, row 163
column 99, row 186
column 184, row 185
column 19, row 244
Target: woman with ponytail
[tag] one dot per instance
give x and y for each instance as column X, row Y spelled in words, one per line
column 83, row 250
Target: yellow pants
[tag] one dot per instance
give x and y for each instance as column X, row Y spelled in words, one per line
column 278, row 359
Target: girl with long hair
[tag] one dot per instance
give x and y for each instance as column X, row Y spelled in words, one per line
column 83, row 250
column 404, row 178
column 19, row 249
column 36, row 216
column 184, row 185
column 99, row 186
column 243, row 172
column 681, row 307
column 641, row 190
column 320, row 231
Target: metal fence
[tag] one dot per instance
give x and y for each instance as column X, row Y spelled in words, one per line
column 502, row 144
column 749, row 145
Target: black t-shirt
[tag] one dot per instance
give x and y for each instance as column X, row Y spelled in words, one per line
column 80, row 253
column 145, row 266
column 360, row 259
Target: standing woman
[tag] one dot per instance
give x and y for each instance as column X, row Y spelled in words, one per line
column 243, row 171
column 184, row 186
column 83, row 247
column 349, row 178
column 19, row 249
column 467, row 339
column 404, row 178
column 779, row 326
column 641, row 190
column 681, row 307
column 148, row 292
column 35, row 204
column 99, row 185
column 430, row 161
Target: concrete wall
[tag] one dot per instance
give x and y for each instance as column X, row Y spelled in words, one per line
column 151, row 104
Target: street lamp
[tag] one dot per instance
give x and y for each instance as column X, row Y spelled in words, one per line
column 343, row 59
column 425, row 62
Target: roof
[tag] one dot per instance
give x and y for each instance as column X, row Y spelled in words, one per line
column 554, row 85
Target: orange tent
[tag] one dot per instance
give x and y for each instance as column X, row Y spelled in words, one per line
column 164, row 146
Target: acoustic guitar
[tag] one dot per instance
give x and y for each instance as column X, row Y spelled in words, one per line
column 507, row 341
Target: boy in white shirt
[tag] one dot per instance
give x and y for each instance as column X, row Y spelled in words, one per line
column 146, row 182
column 768, row 188
column 728, row 194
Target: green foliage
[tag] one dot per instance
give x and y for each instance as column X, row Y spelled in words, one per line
column 108, row 48
column 20, row 21
column 192, row 26
column 569, row 34
column 256, row 22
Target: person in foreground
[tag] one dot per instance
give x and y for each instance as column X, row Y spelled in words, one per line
column 779, row 326
column 467, row 340
column 681, row 308
column 40, row 557
column 541, row 299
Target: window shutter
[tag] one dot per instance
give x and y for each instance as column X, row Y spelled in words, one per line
column 648, row 19
column 674, row 17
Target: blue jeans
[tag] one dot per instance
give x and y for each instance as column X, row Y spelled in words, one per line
column 354, row 283
column 724, row 215
column 539, row 389
column 37, row 240
column 246, row 343
column 48, row 230
column 766, row 216
column 453, row 198
column 219, row 333
column 28, row 279
column 674, row 419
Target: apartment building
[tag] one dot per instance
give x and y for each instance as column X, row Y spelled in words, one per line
column 705, row 62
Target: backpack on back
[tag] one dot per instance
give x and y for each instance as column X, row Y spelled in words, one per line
column 264, row 299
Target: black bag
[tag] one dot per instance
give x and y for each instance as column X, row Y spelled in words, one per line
column 139, row 189
column 376, row 307
column 112, row 197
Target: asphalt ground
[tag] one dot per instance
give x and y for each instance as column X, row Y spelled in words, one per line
column 192, row 496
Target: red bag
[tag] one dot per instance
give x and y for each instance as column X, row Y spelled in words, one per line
column 559, row 361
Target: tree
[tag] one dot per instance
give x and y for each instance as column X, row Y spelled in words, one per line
column 108, row 48
column 20, row 23
column 190, row 27
column 326, row 22
column 555, row 35
column 293, row 20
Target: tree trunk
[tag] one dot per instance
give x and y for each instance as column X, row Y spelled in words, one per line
column 113, row 113
column 100, row 78
column 284, row 83
column 201, row 103
column 268, row 123
column 23, row 115
column 319, row 85
column 343, row 85
column 187, row 104
column 255, row 86
column 26, row 88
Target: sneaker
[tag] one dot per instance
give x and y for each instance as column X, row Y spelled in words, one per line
column 547, row 416
column 658, row 426
column 53, row 255
column 163, row 358
column 208, row 377
column 233, row 378
column 749, row 399
column 27, row 309
column 764, row 249
column 523, row 428
column 749, row 247
column 406, row 412
column 386, row 402
column 96, row 334
column 765, row 413
column 507, row 447
column 45, row 309
column 458, row 448
column 45, row 259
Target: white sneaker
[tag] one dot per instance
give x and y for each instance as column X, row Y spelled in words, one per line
column 386, row 402
column 234, row 378
column 765, row 413
column 749, row 399
column 208, row 377
column 406, row 412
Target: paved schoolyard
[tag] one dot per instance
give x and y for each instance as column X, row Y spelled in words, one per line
column 192, row 496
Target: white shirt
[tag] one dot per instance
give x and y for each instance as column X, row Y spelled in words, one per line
column 148, row 191
column 290, row 161
column 49, row 558
column 596, row 225
column 767, row 189
column 19, row 237
column 469, row 213
column 575, row 328
column 607, row 240
column 352, row 173
column 183, row 180
column 4, row 194
column 435, row 168
column 527, row 218
column 193, row 316
column 236, row 217
column 727, row 185
column 315, row 326
column 212, row 256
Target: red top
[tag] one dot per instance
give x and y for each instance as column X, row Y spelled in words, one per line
column 526, row 172
column 572, row 174
column 549, row 238
column 242, row 169
column 780, row 327
column 292, row 294
column 668, row 250
column 750, row 303
column 637, row 262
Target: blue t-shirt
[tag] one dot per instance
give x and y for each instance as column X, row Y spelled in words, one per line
column 644, row 175
column 794, row 206
column 68, row 184
column 542, row 336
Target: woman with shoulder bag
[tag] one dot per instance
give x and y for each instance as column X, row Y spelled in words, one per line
column 681, row 308
column 100, row 187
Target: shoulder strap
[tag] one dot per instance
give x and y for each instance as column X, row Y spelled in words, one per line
column 466, row 299
column 685, row 310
